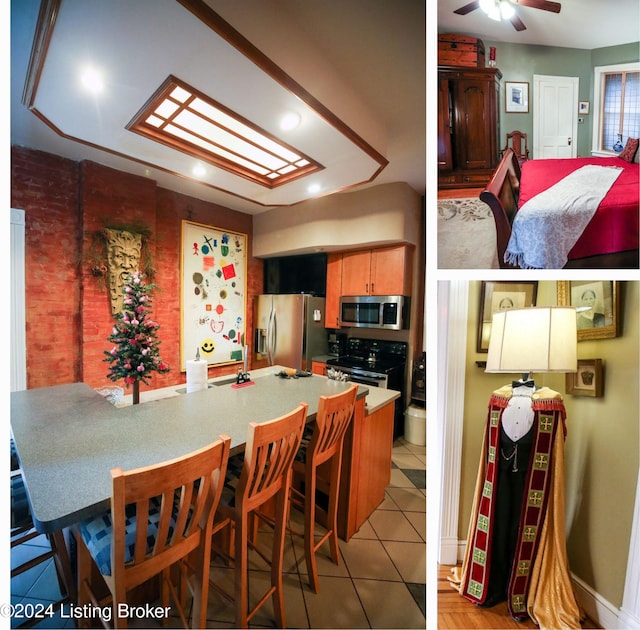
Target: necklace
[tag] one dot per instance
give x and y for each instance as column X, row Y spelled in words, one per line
column 513, row 456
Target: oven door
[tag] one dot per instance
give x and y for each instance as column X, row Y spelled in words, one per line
column 373, row 379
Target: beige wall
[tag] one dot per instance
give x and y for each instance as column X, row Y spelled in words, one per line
column 388, row 213
column 602, row 446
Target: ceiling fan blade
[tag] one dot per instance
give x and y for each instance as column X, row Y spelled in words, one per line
column 544, row 5
column 518, row 24
column 467, row 8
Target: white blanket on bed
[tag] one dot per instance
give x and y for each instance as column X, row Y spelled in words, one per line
column 549, row 224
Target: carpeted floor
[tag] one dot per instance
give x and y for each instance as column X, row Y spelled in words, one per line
column 466, row 235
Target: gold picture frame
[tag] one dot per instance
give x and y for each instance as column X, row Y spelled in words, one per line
column 588, row 380
column 499, row 296
column 597, row 304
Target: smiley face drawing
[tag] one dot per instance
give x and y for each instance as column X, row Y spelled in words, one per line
column 208, row 346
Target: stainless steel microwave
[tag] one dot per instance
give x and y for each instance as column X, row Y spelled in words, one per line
column 375, row 311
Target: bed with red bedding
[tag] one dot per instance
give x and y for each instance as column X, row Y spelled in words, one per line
column 610, row 239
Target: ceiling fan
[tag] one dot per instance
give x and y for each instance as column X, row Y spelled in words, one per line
column 504, row 9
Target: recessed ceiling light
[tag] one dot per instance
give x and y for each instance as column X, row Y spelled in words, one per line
column 92, row 80
column 314, row 188
column 199, row 170
column 289, row 121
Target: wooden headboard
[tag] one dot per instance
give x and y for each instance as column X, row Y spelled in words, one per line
column 501, row 195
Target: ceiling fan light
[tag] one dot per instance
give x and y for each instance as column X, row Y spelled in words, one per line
column 487, row 5
column 494, row 14
column 507, row 10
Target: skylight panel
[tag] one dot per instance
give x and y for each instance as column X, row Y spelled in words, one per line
column 181, row 117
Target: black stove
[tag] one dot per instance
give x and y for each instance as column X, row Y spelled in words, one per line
column 376, row 363
column 372, row 355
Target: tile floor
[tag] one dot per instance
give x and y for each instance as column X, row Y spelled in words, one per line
column 380, row 582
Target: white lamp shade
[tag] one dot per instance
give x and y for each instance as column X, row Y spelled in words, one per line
column 541, row 339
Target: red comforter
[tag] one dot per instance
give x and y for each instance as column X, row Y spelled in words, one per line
column 614, row 226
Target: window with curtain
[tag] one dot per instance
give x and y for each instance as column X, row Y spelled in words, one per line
column 620, row 113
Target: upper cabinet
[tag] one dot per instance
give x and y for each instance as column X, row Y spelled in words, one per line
column 383, row 271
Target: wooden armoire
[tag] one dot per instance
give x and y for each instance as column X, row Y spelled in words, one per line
column 468, row 125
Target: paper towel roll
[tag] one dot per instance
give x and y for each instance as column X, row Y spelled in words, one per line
column 196, row 376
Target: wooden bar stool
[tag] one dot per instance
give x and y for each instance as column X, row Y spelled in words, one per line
column 266, row 476
column 160, row 516
column 316, row 472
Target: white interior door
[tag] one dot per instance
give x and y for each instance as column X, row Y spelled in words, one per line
column 555, row 116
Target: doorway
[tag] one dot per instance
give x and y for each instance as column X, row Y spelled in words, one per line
column 555, row 116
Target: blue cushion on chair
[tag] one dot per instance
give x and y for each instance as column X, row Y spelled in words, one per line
column 301, row 455
column 97, row 533
column 20, row 511
column 231, row 478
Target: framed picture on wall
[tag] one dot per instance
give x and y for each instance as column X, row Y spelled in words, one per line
column 213, row 300
column 501, row 296
column 583, row 107
column 516, row 97
column 597, row 304
column 588, row 380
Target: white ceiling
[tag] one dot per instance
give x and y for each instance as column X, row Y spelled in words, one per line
column 586, row 24
column 363, row 61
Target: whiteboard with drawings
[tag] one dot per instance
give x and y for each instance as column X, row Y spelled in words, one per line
column 214, row 286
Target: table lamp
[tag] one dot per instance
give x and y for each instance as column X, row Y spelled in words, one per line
column 538, row 339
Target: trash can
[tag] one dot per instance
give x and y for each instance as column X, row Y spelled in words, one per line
column 415, row 425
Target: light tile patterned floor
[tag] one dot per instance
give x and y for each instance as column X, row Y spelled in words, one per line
column 380, row 582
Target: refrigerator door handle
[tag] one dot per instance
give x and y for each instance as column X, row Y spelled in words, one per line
column 271, row 337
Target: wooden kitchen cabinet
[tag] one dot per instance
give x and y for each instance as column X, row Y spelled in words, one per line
column 468, row 125
column 334, row 290
column 383, row 271
column 319, row 367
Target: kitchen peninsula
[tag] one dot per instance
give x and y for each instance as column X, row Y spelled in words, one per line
column 69, row 437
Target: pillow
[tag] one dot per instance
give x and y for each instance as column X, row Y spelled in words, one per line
column 630, row 149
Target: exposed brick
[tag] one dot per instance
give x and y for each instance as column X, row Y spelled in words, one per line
column 68, row 309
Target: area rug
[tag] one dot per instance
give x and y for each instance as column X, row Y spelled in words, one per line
column 466, row 235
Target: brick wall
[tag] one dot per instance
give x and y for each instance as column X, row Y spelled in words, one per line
column 68, row 308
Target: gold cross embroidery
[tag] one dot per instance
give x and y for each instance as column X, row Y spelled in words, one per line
column 546, row 423
column 535, row 498
column 475, row 588
column 518, row 603
column 483, row 523
column 529, row 533
column 492, row 454
column 523, row 567
column 487, row 489
column 541, row 461
column 479, row 556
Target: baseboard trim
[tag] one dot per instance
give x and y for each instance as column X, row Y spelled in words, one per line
column 594, row 605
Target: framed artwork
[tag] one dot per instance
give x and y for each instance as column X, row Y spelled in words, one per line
column 597, row 306
column 583, row 107
column 213, row 294
column 588, row 380
column 500, row 296
column 516, row 97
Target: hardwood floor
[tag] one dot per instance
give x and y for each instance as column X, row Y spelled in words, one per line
column 456, row 612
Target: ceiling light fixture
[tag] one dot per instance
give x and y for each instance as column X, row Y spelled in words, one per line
column 92, row 80
column 498, row 9
column 289, row 121
column 199, row 170
column 183, row 118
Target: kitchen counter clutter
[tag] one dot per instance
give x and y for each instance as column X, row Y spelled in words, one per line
column 69, row 437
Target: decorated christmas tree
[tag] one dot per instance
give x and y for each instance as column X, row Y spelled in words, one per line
column 135, row 354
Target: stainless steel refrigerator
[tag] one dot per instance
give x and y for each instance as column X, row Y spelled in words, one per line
column 290, row 329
